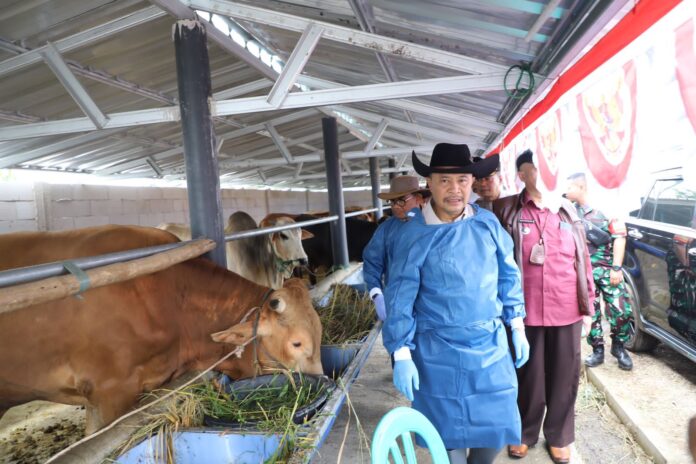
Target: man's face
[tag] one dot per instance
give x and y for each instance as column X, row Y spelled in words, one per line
column 403, row 205
column 574, row 191
column 451, row 192
column 528, row 175
column 489, row 187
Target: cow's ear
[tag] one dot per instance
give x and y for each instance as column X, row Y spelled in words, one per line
column 278, row 305
column 306, row 234
column 236, row 335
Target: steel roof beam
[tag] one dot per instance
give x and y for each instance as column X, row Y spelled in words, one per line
column 349, row 36
column 360, row 93
column 416, row 107
column 373, row 92
column 19, row 158
column 60, row 68
column 295, row 64
column 376, row 135
column 435, row 134
column 243, row 89
column 278, row 141
column 83, row 38
column 139, row 162
column 316, row 157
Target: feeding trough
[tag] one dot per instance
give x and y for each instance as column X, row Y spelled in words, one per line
column 195, row 447
column 266, row 397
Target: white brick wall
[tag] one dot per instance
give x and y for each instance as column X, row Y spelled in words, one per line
column 63, row 207
column 17, row 207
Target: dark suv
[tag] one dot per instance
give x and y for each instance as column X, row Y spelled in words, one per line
column 660, row 267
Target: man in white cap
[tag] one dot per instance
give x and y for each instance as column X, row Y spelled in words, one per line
column 404, row 195
column 452, row 287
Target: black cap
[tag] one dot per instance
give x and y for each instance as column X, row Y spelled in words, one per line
column 525, row 157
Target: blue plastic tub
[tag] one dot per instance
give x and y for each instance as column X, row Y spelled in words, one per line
column 202, row 447
column 336, row 358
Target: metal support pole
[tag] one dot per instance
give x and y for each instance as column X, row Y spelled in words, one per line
column 375, row 175
column 202, row 174
column 339, row 243
column 391, row 164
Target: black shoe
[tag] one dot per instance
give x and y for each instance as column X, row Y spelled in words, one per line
column 596, row 358
column 618, row 351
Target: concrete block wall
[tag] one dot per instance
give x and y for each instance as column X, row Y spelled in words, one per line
column 44, row 206
column 17, row 207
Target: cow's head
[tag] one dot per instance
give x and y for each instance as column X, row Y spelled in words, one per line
column 287, row 244
column 288, row 332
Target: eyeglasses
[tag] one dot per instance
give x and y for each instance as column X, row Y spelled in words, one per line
column 400, row 202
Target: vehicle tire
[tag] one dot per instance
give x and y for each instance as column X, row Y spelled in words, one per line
column 638, row 341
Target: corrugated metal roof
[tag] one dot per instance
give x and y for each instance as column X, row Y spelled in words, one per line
column 133, row 68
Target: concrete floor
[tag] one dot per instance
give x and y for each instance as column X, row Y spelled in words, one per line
column 372, row 396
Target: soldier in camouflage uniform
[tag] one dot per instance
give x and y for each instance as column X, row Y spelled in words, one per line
column 606, row 241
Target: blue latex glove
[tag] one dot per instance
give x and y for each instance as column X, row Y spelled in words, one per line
column 406, row 377
column 380, row 307
column 519, row 341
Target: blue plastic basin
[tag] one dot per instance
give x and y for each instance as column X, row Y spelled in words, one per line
column 336, row 358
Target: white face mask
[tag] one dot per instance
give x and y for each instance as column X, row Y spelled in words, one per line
column 550, row 200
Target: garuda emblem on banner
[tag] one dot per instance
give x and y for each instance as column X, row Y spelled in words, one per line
column 607, row 115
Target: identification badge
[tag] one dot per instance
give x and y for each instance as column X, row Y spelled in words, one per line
column 538, row 254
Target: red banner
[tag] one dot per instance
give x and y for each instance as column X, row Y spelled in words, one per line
column 686, row 68
column 548, row 140
column 607, row 115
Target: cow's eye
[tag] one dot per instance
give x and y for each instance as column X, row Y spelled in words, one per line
column 284, row 237
column 297, row 344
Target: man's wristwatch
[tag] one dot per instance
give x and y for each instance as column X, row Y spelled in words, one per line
column 616, row 268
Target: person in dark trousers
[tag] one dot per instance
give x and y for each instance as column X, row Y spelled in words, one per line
column 552, row 255
column 453, row 286
column 606, row 240
column 404, row 195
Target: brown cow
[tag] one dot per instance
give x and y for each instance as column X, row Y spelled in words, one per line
column 116, row 342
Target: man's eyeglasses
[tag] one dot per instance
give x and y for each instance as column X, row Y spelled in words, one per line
column 400, row 202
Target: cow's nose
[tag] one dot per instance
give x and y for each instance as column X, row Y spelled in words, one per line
column 303, row 262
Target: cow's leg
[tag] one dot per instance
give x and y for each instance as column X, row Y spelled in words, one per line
column 108, row 409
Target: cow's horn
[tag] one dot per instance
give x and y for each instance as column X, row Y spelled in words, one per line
column 277, row 305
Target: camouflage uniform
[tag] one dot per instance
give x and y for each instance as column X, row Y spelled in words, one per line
column 617, row 305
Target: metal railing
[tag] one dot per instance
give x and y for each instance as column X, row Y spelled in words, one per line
column 42, row 271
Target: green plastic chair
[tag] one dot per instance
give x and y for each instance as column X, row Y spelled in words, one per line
column 400, row 422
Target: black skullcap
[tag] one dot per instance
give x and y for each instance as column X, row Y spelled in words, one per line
column 525, row 157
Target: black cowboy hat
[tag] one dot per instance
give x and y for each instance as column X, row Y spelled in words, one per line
column 449, row 158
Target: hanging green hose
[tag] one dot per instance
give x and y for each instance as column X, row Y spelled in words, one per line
column 519, row 92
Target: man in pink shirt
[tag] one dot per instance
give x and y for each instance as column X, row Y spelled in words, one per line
column 551, row 252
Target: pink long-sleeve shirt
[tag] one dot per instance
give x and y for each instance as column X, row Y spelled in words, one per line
column 550, row 290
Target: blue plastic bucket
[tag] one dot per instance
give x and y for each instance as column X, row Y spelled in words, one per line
column 336, row 358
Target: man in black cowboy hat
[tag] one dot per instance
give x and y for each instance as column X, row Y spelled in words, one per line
column 448, row 296
column 404, row 195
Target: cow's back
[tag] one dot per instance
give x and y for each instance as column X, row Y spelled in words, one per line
column 31, row 248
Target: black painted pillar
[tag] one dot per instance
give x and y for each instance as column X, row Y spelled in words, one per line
column 339, row 243
column 202, row 174
column 375, row 176
column 391, row 164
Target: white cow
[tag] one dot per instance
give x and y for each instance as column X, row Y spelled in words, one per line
column 266, row 259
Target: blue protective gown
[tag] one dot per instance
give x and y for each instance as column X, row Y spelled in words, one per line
column 378, row 252
column 450, row 289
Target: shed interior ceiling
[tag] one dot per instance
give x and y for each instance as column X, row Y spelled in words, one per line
column 121, row 54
